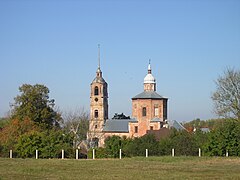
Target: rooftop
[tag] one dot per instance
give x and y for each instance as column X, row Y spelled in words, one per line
column 148, row 95
column 117, row 125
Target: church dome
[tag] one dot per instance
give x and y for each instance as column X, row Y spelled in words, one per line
column 149, row 79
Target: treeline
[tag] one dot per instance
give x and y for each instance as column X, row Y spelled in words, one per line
column 197, row 124
column 220, row 140
column 35, row 124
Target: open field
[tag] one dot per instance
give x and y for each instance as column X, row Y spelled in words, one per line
column 128, row 168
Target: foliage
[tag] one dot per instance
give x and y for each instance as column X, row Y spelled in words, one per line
column 99, row 153
column 48, row 143
column 138, row 146
column 34, row 103
column 184, row 143
column 165, row 147
column 197, row 123
column 4, row 122
column 227, row 96
column 225, row 138
column 120, row 116
column 12, row 131
column 114, row 143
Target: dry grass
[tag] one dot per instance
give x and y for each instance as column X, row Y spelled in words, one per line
column 129, row 168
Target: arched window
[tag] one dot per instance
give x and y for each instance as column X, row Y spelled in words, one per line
column 144, row 111
column 96, row 113
column 96, row 91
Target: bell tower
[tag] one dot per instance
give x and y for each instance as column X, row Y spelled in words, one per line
column 98, row 107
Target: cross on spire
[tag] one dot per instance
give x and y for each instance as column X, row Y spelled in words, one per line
column 149, row 67
column 99, row 72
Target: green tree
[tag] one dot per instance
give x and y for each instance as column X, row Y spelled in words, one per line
column 49, row 144
column 112, row 145
column 34, row 103
column 224, row 138
column 184, row 143
column 227, row 96
column 12, row 131
column 138, row 146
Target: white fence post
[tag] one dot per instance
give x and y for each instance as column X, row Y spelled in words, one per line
column 227, row 154
column 36, row 154
column 76, row 153
column 199, row 152
column 120, row 154
column 146, row 152
column 62, row 154
column 93, row 152
column 10, row 154
column 172, row 152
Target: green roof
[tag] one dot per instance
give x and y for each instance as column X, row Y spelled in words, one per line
column 148, row 95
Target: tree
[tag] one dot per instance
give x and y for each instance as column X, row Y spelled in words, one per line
column 12, row 131
column 76, row 123
column 49, row 143
column 226, row 137
column 120, row 116
column 184, row 143
column 34, row 103
column 227, row 96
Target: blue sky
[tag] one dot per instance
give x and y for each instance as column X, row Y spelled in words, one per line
column 54, row 43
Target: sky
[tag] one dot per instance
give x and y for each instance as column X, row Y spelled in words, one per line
column 55, row 43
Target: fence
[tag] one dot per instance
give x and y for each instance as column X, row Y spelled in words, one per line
column 94, row 153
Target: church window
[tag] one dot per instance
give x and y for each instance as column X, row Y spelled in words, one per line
column 136, row 129
column 151, row 128
column 156, row 111
column 96, row 113
column 144, row 111
column 95, row 126
column 96, row 91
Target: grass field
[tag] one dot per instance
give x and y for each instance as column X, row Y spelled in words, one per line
column 128, row 168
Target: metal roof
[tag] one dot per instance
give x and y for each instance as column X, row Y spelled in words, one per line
column 148, row 95
column 99, row 80
column 117, row 125
column 175, row 124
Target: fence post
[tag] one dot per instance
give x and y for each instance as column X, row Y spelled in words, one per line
column 62, row 154
column 93, row 152
column 120, row 154
column 172, row 152
column 76, row 153
column 227, row 153
column 199, row 152
column 146, row 152
column 10, row 154
column 36, row 154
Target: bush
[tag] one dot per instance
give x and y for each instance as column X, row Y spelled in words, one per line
column 48, row 143
column 99, row 153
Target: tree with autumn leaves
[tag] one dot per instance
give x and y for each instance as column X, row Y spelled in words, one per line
column 33, row 117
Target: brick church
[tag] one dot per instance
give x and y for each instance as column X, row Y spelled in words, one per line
column 149, row 111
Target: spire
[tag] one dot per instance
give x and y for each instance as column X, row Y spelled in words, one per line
column 99, row 72
column 149, row 67
column 99, row 56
